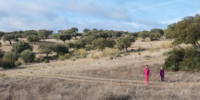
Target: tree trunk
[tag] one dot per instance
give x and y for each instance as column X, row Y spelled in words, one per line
column 34, row 43
column 10, row 41
column 126, row 49
column 47, row 54
column 75, row 37
column 64, row 41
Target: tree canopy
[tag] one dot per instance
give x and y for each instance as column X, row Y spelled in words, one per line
column 125, row 42
column 102, row 43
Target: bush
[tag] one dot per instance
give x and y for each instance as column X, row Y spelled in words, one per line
column 1, row 53
column 166, row 45
column 37, row 59
column 109, row 52
column 74, row 58
column 166, row 53
column 154, row 49
column 61, row 57
column 27, row 56
column 185, row 59
column 11, row 57
column 7, row 65
column 17, row 63
column 88, row 47
column 127, row 53
column 81, row 53
column 21, row 46
column 111, row 58
column 95, row 57
column 67, row 56
column 117, row 55
column 42, row 59
column 46, row 61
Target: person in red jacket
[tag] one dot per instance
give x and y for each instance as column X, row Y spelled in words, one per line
column 162, row 73
column 147, row 73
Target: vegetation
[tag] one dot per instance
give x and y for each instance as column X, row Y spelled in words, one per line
column 44, row 33
column 9, row 38
column 46, row 61
column 125, row 42
column 27, row 56
column 46, row 48
column 60, row 49
column 21, row 46
column 32, row 38
column 102, row 43
column 185, row 59
column 143, row 34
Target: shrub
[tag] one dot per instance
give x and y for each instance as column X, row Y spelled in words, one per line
column 117, row 55
column 88, row 47
column 127, row 53
column 7, row 65
column 37, row 59
column 27, row 56
column 17, row 63
column 166, row 53
column 42, row 59
column 11, row 57
column 61, row 57
column 166, row 45
column 74, row 58
column 67, row 56
column 1, row 53
column 185, row 59
column 154, row 49
column 46, row 61
column 81, row 53
column 95, row 57
column 21, row 46
column 111, row 58
column 109, row 52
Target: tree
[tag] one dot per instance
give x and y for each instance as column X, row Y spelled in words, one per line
column 143, row 34
column 11, row 57
column 188, row 31
column 21, row 46
column 46, row 48
column 74, row 35
column 44, row 33
column 86, row 30
column 1, row 34
column 125, row 42
column 29, row 32
column 60, row 49
column 78, row 44
column 32, row 38
column 9, row 38
column 102, row 43
column 65, row 37
column 27, row 56
column 170, row 30
column 56, row 36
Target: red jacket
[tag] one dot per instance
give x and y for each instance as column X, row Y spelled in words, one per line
column 147, row 72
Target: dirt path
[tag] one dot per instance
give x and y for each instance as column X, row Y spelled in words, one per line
column 109, row 81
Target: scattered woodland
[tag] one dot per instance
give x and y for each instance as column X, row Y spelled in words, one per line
column 101, row 64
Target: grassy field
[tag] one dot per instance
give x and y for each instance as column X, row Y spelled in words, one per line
column 99, row 79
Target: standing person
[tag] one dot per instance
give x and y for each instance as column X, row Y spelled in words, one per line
column 162, row 73
column 147, row 74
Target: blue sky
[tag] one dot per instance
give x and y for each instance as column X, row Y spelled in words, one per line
column 125, row 15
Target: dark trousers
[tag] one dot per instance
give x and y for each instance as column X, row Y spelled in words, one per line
column 162, row 78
